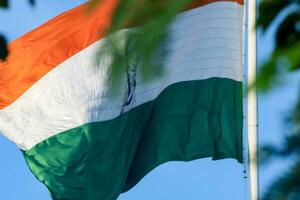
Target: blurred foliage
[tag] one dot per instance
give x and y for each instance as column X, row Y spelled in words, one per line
column 286, row 55
column 3, row 44
column 287, row 185
column 285, row 59
column 3, row 48
column 142, row 44
column 3, row 3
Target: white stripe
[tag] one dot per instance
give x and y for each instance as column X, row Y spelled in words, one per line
column 204, row 42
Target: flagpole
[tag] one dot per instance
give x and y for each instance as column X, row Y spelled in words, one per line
column 252, row 103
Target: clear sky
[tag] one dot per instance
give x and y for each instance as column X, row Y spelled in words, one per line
column 201, row 179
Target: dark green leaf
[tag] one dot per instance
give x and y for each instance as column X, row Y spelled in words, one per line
column 32, row 2
column 3, row 3
column 269, row 10
column 3, row 48
column 282, row 61
column 288, row 33
column 267, row 152
column 287, row 186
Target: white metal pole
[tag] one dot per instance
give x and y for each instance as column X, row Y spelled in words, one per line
column 252, row 103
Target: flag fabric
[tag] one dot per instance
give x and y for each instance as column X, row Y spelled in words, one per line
column 84, row 141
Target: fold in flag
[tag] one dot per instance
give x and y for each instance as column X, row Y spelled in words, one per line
column 84, row 141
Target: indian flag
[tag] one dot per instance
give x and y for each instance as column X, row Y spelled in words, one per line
column 84, row 141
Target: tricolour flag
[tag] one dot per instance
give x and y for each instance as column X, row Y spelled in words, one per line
column 84, row 141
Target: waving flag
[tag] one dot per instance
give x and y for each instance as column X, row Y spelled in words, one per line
column 84, row 141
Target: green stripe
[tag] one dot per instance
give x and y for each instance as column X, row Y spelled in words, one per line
column 189, row 120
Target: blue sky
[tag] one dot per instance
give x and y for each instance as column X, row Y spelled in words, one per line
column 201, row 179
